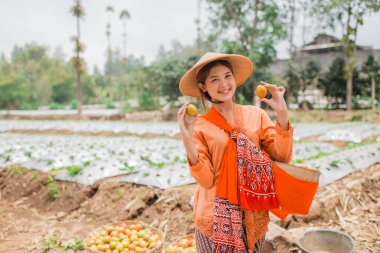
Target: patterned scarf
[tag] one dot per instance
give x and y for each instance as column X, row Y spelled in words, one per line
column 245, row 181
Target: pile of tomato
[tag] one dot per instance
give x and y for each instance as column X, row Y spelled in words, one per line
column 183, row 245
column 123, row 237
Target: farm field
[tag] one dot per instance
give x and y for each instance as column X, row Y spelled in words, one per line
column 59, row 180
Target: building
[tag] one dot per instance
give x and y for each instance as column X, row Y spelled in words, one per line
column 323, row 49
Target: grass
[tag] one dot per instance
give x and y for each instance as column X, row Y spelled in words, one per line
column 15, row 170
column 53, row 191
column 74, row 170
column 49, row 243
column 77, row 245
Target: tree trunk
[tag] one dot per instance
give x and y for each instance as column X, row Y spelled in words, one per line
column 79, row 92
column 349, row 91
column 255, row 21
column 373, row 93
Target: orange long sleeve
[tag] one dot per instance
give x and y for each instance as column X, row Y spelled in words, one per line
column 211, row 142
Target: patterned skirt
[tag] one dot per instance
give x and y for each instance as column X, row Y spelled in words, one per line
column 204, row 244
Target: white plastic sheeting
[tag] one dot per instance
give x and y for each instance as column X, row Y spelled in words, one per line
column 309, row 149
column 306, row 130
column 337, row 165
column 166, row 128
column 97, row 112
column 355, row 133
column 348, row 131
column 158, row 162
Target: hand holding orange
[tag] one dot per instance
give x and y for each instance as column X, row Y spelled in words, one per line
column 192, row 110
column 261, row 91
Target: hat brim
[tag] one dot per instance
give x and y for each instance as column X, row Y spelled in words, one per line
column 242, row 67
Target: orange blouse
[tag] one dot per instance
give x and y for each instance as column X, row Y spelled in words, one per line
column 211, row 141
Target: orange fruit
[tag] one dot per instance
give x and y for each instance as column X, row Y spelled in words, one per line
column 192, row 110
column 261, row 91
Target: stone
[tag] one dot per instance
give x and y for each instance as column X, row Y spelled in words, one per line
column 277, row 239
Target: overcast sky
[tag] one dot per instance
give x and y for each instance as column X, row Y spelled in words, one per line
column 153, row 23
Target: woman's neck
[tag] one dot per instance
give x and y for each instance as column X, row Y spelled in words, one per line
column 225, row 108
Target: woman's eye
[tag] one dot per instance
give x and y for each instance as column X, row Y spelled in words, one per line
column 214, row 80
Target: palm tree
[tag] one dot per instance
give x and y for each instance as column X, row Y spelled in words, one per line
column 124, row 15
column 198, row 22
column 78, row 11
column 110, row 10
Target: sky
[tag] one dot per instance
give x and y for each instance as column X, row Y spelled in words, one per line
column 153, row 23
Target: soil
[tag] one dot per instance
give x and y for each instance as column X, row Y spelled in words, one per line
column 29, row 217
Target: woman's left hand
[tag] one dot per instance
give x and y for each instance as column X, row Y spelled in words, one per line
column 277, row 102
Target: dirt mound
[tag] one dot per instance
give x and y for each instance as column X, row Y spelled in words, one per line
column 36, row 212
column 31, row 216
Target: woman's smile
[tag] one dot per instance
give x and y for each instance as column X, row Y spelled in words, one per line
column 225, row 92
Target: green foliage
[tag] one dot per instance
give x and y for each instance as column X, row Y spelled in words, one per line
column 248, row 28
column 77, row 245
column 74, row 170
column 333, row 83
column 73, row 104
column 370, row 70
column 127, row 108
column 63, row 92
column 110, row 105
column 56, row 106
column 147, row 101
column 49, row 243
column 293, row 79
column 53, row 191
column 15, row 170
column 310, row 74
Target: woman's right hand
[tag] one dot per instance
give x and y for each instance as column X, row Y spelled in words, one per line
column 186, row 122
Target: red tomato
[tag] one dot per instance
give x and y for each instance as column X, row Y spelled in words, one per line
column 133, row 237
column 152, row 245
column 139, row 227
column 142, row 244
column 106, row 239
column 139, row 250
column 132, row 227
column 184, row 243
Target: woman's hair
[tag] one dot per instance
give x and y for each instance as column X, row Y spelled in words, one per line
column 203, row 74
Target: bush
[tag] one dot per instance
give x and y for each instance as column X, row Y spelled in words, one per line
column 28, row 106
column 110, row 105
column 73, row 104
column 127, row 108
column 147, row 101
column 56, row 106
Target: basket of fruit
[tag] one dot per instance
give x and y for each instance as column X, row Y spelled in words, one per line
column 185, row 244
column 125, row 236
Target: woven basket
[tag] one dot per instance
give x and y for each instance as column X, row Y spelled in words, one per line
column 304, row 173
column 128, row 222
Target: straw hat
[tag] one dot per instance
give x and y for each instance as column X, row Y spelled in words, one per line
column 242, row 68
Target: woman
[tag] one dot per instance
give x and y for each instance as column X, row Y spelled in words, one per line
column 235, row 191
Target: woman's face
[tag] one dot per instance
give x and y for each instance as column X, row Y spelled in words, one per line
column 220, row 83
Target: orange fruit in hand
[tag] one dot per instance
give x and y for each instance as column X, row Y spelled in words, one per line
column 261, row 91
column 192, row 110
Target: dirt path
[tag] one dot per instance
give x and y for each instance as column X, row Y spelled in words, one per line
column 29, row 217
